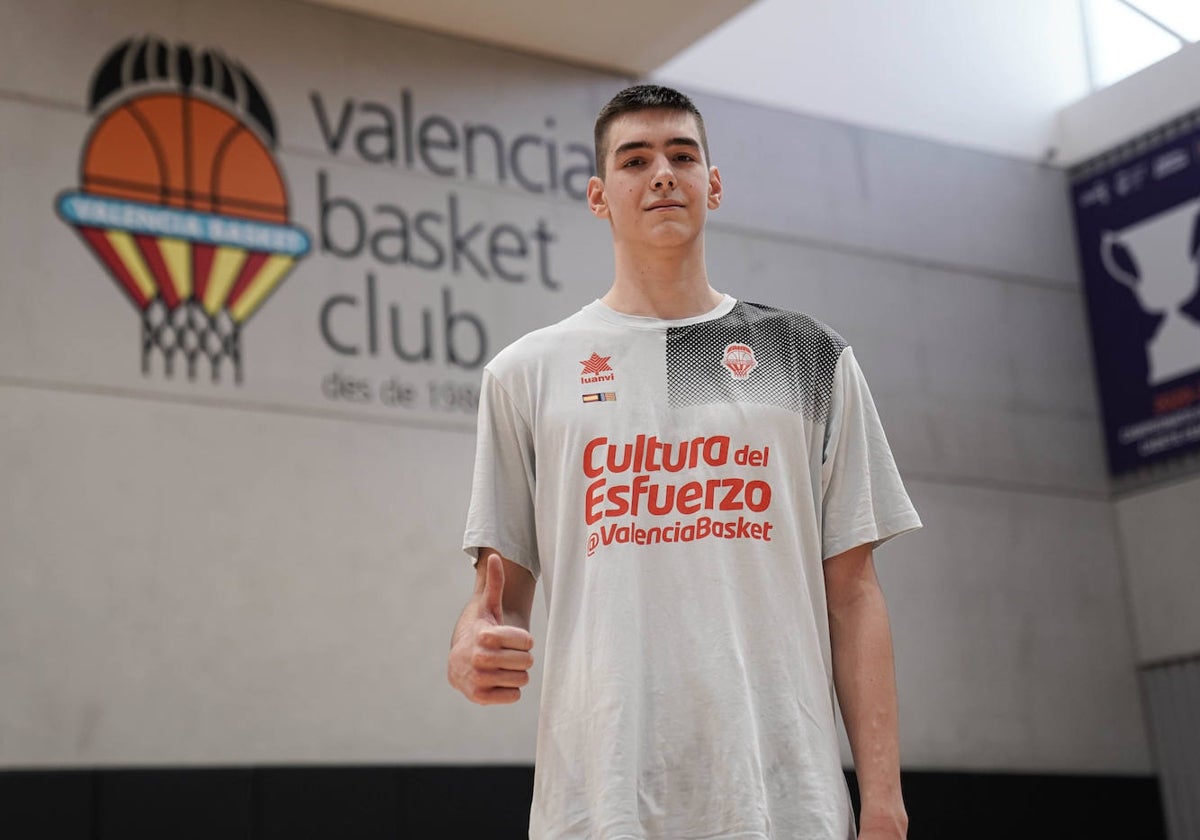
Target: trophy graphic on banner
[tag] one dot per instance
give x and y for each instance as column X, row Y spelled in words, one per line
column 1155, row 258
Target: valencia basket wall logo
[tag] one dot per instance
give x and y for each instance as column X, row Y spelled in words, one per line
column 182, row 201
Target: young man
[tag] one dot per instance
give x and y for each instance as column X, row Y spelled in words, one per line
column 699, row 482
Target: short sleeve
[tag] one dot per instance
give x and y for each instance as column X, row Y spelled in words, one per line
column 501, row 515
column 863, row 497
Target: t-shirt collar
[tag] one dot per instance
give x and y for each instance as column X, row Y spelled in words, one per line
column 643, row 322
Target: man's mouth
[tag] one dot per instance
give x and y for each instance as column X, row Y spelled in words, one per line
column 665, row 205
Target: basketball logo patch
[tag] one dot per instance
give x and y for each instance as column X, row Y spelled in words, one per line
column 739, row 360
column 182, row 201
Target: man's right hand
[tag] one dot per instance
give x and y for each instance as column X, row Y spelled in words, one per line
column 490, row 660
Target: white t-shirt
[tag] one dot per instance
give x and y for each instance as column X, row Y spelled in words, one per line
column 675, row 486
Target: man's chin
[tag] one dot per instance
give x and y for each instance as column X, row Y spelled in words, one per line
column 667, row 239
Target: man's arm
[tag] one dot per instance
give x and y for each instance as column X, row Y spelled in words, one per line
column 490, row 650
column 865, row 678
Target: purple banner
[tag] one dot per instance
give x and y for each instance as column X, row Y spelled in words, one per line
column 1137, row 219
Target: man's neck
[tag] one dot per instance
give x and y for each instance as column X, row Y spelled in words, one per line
column 662, row 286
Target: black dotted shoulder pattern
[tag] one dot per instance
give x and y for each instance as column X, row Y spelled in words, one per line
column 796, row 357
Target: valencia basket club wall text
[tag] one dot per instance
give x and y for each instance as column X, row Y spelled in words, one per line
column 447, row 240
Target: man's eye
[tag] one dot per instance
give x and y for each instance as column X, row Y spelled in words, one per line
column 632, row 162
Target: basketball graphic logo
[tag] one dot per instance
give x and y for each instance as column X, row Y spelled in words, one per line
column 739, row 360
column 182, row 201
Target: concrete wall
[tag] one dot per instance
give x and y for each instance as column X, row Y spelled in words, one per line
column 199, row 572
column 1159, row 536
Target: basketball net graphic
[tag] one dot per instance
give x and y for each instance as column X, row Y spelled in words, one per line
column 181, row 200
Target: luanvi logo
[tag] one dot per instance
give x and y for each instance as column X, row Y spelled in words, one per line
column 182, row 201
column 596, row 369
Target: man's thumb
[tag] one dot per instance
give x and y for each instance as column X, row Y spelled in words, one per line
column 493, row 588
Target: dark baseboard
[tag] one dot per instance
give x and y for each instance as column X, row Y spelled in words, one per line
column 1022, row 806
column 366, row 803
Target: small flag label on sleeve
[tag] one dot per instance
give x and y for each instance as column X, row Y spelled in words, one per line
column 604, row 396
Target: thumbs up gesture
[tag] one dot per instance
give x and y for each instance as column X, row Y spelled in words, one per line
column 490, row 659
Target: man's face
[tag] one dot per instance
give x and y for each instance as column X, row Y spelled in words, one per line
column 658, row 188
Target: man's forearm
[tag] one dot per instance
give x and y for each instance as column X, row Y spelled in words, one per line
column 864, row 676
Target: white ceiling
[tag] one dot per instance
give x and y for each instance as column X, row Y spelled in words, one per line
column 630, row 37
column 984, row 74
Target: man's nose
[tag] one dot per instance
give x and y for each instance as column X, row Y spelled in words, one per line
column 664, row 178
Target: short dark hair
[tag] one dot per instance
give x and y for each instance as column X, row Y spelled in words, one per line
column 643, row 98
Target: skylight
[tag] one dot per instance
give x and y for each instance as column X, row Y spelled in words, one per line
column 1124, row 36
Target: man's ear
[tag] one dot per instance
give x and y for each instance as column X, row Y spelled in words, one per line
column 597, row 199
column 714, row 188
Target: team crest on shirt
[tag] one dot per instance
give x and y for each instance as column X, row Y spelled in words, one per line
column 739, row 360
column 596, row 369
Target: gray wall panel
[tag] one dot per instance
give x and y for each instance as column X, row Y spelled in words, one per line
column 1159, row 535
column 187, row 584
column 999, row 608
column 889, row 193
column 1173, row 697
column 980, row 378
